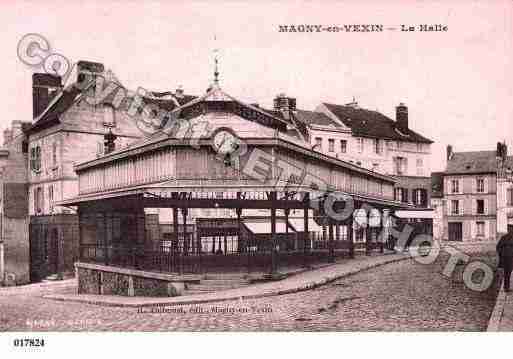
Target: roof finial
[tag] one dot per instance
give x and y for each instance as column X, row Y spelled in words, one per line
column 216, row 69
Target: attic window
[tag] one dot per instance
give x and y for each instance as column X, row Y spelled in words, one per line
column 468, row 166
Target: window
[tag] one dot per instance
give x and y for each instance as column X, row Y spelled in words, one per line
column 480, row 185
column 54, row 154
column 510, row 196
column 377, row 146
column 419, row 147
column 455, row 186
column 360, row 145
column 35, row 158
column 480, row 207
column 109, row 119
column 359, row 234
column 331, row 145
column 401, row 194
column 318, row 143
column 420, row 164
column 400, row 164
column 480, row 229
column 420, row 197
column 100, row 149
column 455, row 206
column 343, row 146
column 50, row 197
column 38, row 200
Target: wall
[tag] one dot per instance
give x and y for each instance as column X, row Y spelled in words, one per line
column 504, row 210
column 368, row 158
column 13, row 207
column 413, row 183
column 79, row 137
column 467, row 197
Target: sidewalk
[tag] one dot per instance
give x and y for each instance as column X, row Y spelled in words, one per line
column 501, row 319
column 296, row 283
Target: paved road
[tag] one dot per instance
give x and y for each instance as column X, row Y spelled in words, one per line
column 399, row 296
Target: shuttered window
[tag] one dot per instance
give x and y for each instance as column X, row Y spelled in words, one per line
column 35, row 158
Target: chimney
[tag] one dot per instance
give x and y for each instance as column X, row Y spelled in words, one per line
column 7, row 136
column 401, row 117
column 16, row 128
column 179, row 92
column 502, row 150
column 449, row 152
column 44, row 88
column 353, row 104
column 87, row 72
column 109, row 142
column 284, row 104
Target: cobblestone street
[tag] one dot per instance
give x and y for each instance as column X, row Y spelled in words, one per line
column 400, row 296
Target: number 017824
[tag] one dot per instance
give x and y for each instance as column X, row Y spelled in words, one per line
column 28, row 342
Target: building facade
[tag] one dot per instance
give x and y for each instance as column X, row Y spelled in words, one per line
column 14, row 240
column 226, row 167
column 69, row 125
column 373, row 141
column 477, row 196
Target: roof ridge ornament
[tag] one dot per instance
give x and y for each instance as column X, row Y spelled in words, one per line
column 216, row 64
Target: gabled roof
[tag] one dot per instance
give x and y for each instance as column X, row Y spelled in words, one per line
column 217, row 96
column 367, row 123
column 68, row 96
column 316, row 119
column 474, row 162
column 60, row 104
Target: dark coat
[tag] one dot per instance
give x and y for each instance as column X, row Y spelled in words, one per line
column 505, row 249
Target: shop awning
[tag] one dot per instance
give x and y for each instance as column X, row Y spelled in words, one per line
column 264, row 226
column 299, row 225
column 422, row 214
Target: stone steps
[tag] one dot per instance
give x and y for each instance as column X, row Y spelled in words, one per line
column 215, row 285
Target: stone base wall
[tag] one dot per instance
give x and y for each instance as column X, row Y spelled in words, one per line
column 100, row 279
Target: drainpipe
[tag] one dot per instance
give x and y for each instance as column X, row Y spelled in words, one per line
column 2, row 264
column 2, row 261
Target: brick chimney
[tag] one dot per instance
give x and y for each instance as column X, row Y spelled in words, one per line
column 449, row 152
column 401, row 117
column 179, row 92
column 16, row 128
column 284, row 104
column 87, row 72
column 7, row 136
column 502, row 150
column 44, row 88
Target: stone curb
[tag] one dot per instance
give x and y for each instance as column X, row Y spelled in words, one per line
column 498, row 310
column 308, row 286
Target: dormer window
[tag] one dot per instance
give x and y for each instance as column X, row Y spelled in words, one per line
column 109, row 116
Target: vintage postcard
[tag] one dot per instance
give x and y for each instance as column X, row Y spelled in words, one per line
column 223, row 166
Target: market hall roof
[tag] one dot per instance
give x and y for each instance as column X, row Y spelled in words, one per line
column 373, row 124
column 217, row 97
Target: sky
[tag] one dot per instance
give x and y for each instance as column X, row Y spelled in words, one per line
column 457, row 84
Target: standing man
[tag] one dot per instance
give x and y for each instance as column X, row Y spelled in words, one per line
column 505, row 252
